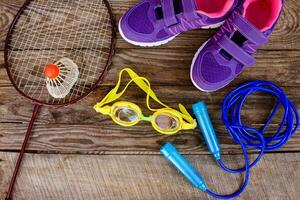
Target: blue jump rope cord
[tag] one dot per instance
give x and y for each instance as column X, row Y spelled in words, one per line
column 249, row 137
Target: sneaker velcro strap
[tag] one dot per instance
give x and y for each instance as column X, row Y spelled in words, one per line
column 236, row 51
column 248, row 30
column 189, row 9
column 169, row 12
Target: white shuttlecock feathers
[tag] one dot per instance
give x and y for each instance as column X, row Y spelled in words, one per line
column 61, row 77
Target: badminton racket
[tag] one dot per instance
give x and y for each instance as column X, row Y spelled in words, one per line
column 47, row 32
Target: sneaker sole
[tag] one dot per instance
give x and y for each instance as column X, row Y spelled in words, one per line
column 155, row 44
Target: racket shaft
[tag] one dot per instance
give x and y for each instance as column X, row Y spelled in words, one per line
column 21, row 154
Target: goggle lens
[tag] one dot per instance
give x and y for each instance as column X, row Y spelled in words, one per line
column 126, row 115
column 166, row 122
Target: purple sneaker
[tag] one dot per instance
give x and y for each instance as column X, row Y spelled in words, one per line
column 224, row 56
column 156, row 22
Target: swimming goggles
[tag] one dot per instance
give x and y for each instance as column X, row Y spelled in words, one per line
column 164, row 120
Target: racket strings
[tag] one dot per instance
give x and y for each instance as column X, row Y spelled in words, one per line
column 49, row 30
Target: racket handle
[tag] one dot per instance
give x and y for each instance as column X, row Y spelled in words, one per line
column 207, row 129
column 187, row 170
column 22, row 152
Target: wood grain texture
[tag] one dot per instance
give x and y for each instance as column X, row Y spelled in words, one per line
column 285, row 36
column 75, row 177
column 164, row 67
column 79, row 129
column 144, row 175
column 107, row 138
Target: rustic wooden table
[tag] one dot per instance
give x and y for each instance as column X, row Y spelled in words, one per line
column 75, row 153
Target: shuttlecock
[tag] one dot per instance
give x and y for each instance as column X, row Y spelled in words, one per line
column 61, row 77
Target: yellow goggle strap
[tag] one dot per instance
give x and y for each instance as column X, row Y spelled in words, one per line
column 187, row 117
column 144, row 84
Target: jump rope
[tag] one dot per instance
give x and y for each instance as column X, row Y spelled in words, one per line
column 247, row 137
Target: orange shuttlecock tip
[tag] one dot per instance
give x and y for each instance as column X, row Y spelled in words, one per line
column 51, row 71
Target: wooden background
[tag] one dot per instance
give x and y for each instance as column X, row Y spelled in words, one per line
column 75, row 153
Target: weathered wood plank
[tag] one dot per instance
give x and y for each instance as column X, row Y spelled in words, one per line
column 16, row 109
column 165, row 67
column 79, row 129
column 285, row 36
column 108, row 138
column 144, row 177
